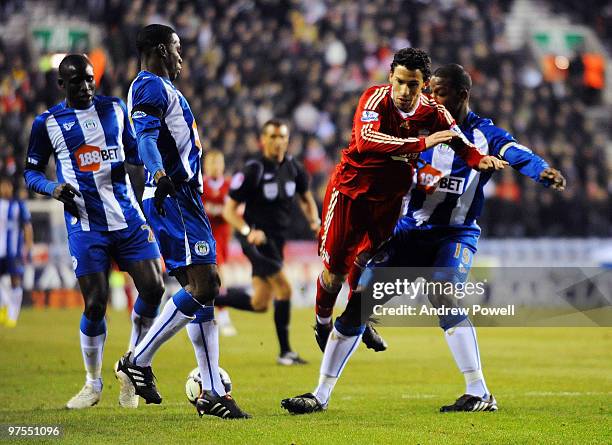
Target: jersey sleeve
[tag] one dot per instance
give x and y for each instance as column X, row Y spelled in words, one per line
column 302, row 178
column 243, row 185
column 39, row 151
column 129, row 138
column 367, row 122
column 461, row 145
column 149, row 103
column 518, row 156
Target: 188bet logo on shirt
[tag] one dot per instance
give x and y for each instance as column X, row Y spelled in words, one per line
column 89, row 157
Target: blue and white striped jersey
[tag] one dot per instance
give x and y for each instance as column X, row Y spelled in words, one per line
column 13, row 215
column 155, row 103
column 90, row 147
column 458, row 199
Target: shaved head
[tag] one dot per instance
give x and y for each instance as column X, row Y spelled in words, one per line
column 76, row 78
column 73, row 61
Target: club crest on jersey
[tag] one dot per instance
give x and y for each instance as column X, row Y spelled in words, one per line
column 369, row 116
column 237, row 181
column 68, row 125
column 270, row 190
column 405, row 124
column 90, row 124
column 202, row 248
column 290, row 188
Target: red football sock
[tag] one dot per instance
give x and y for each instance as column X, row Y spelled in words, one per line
column 326, row 299
column 353, row 278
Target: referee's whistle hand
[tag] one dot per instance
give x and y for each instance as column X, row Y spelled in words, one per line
column 256, row 237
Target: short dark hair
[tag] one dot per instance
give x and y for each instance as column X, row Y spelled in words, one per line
column 413, row 59
column 273, row 122
column 79, row 61
column 456, row 75
column 151, row 36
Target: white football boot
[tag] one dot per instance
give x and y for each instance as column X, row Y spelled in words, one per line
column 86, row 398
column 127, row 392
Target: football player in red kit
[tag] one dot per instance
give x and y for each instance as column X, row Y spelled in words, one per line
column 216, row 188
column 392, row 124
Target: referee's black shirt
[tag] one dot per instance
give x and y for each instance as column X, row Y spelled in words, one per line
column 268, row 190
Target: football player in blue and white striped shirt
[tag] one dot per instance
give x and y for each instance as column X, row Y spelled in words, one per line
column 15, row 246
column 91, row 139
column 439, row 229
column 169, row 145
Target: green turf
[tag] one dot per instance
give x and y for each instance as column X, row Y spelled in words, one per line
column 553, row 385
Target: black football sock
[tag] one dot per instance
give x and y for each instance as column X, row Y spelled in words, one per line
column 236, row 298
column 282, row 316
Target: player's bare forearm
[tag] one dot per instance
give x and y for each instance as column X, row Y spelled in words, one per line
column 233, row 217
column 310, row 210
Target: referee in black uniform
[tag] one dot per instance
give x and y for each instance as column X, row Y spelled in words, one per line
column 268, row 185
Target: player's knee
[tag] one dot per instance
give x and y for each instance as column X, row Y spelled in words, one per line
column 95, row 309
column 450, row 321
column 332, row 280
column 205, row 286
column 153, row 291
column 260, row 305
column 440, row 300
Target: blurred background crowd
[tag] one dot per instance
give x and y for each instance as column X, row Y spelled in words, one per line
column 308, row 62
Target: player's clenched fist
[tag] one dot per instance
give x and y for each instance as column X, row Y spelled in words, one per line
column 65, row 193
column 491, row 163
column 165, row 187
column 554, row 178
column 257, row 237
column 439, row 137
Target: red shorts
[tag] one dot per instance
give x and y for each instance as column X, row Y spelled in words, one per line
column 223, row 235
column 351, row 226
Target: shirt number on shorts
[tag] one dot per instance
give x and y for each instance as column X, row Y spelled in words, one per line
column 151, row 237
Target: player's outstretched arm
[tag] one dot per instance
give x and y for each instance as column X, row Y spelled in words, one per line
column 528, row 163
column 491, row 163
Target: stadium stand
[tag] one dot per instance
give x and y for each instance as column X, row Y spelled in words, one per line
column 250, row 60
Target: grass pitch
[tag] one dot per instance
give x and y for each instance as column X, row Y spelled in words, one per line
column 553, row 385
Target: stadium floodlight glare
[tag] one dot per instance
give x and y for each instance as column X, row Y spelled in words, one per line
column 56, row 59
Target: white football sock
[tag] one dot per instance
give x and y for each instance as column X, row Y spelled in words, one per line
column 93, row 349
column 140, row 327
column 463, row 344
column 14, row 304
column 222, row 317
column 205, row 339
column 4, row 295
column 337, row 352
column 168, row 323
column 324, row 320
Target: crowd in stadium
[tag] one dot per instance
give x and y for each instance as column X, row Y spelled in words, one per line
column 247, row 61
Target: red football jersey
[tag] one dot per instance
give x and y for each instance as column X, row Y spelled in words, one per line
column 385, row 142
column 213, row 198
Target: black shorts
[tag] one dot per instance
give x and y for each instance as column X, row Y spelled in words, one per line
column 266, row 259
